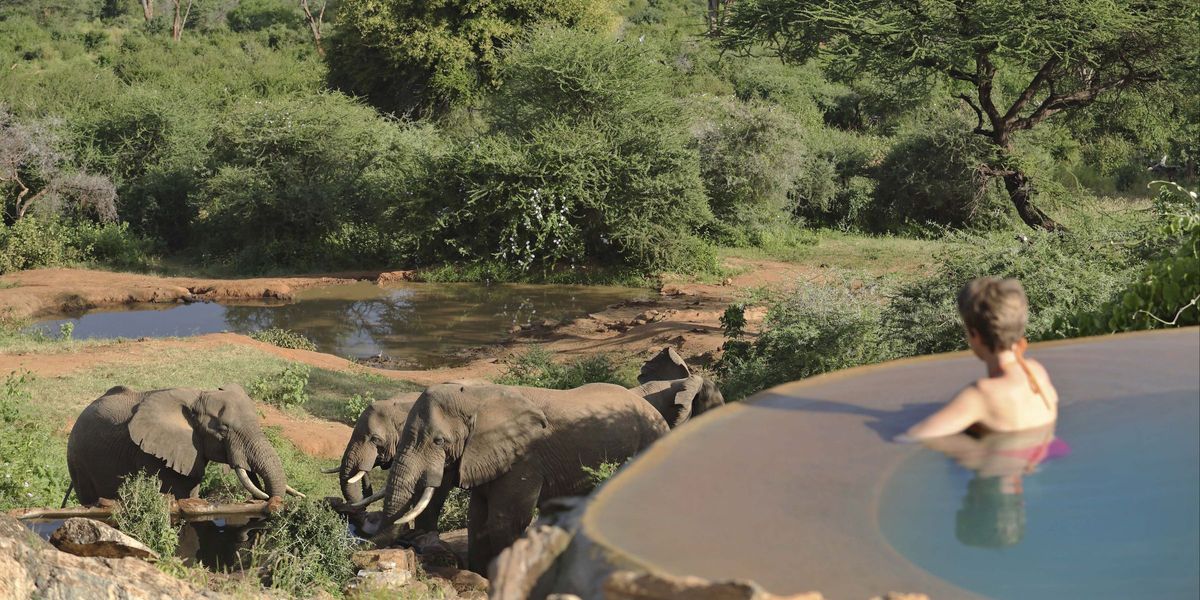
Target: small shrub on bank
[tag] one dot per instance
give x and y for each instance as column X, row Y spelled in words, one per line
column 601, row 473
column 284, row 338
column 356, row 405
column 145, row 514
column 305, row 549
column 819, row 328
column 33, row 467
column 536, row 368
column 285, row 389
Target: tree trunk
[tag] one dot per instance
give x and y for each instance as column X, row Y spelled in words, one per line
column 148, row 9
column 1020, row 191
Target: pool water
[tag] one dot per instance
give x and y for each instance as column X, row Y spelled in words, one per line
column 1116, row 516
column 216, row 544
column 419, row 325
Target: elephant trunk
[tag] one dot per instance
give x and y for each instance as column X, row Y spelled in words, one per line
column 410, row 488
column 359, row 458
column 263, row 461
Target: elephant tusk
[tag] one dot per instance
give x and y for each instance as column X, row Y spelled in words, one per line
column 295, row 493
column 416, row 511
column 376, row 497
column 356, row 477
column 331, row 470
column 249, row 485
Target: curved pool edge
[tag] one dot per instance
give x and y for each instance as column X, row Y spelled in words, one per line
column 836, row 546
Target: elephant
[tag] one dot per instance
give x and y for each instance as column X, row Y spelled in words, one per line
column 173, row 434
column 514, row 448
column 373, row 444
column 669, row 385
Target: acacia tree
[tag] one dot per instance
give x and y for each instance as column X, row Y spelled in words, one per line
column 183, row 8
column 34, row 173
column 315, row 22
column 1016, row 63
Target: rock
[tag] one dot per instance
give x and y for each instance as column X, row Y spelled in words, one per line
column 85, row 537
column 671, row 289
column 434, row 552
column 395, row 276
column 388, row 559
column 30, row 567
column 463, row 581
column 628, row 585
column 374, row 581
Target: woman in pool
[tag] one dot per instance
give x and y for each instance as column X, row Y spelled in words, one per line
column 1016, row 394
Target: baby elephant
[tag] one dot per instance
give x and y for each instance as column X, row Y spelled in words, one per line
column 678, row 395
column 173, row 434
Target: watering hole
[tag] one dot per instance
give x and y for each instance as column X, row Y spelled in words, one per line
column 414, row 325
column 215, row 544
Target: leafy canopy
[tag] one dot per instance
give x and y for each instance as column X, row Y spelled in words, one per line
column 416, row 55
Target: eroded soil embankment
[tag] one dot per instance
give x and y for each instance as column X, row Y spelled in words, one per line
column 40, row 292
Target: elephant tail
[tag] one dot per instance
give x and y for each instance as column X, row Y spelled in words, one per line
column 67, row 496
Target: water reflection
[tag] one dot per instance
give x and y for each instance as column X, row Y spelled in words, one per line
column 417, row 325
column 993, row 511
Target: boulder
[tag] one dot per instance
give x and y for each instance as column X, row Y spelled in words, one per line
column 629, row 585
column 464, row 581
column 30, row 567
column 387, row 559
column 86, row 537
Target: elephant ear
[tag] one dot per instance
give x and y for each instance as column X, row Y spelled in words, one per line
column 685, row 396
column 160, row 427
column 665, row 366
column 501, row 431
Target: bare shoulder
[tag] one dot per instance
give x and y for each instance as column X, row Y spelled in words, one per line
column 975, row 392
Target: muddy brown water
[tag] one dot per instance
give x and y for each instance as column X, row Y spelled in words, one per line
column 415, row 325
column 216, row 544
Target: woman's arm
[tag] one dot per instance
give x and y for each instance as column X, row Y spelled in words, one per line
column 964, row 410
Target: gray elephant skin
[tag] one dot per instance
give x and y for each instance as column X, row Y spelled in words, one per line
column 675, row 392
column 174, row 434
column 514, row 448
column 373, row 444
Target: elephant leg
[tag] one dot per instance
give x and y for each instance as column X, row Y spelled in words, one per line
column 511, row 502
column 478, row 546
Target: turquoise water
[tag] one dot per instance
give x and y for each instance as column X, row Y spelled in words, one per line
column 1116, row 517
column 414, row 325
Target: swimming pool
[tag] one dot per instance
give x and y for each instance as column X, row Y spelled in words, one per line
column 1116, row 517
column 800, row 488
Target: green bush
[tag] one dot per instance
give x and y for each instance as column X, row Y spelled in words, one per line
column 589, row 159
column 454, row 511
column 33, row 466
column 1063, row 273
column 145, row 513
column 255, row 15
column 601, row 473
column 220, row 484
column 819, row 328
column 286, row 389
column 410, row 56
column 750, row 159
column 305, row 549
column 536, row 368
column 33, row 243
column 284, row 338
column 355, row 406
column 935, row 174
column 1167, row 291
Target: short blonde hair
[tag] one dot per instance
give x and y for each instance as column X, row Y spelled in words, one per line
column 995, row 309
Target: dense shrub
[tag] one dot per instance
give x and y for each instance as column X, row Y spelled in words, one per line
column 145, row 513
column 536, row 368
column 835, row 185
column 32, row 243
column 32, row 472
column 289, row 174
column 414, row 56
column 1167, row 291
column 750, row 159
column 589, row 158
column 305, row 549
column 935, row 174
column 454, row 511
column 354, row 407
column 254, row 15
column 1062, row 274
column 819, row 328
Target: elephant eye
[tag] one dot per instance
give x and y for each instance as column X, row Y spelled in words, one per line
column 439, row 441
